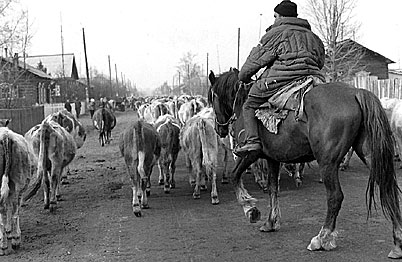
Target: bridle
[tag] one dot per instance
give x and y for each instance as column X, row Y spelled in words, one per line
column 233, row 117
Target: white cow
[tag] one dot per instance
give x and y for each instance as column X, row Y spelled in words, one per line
column 17, row 166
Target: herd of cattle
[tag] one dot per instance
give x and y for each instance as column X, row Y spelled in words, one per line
column 160, row 128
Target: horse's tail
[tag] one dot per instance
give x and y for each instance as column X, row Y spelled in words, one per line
column 381, row 143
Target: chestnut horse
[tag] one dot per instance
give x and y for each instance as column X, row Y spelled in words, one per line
column 336, row 117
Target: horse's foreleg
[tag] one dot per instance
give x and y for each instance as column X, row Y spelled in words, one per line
column 244, row 198
column 326, row 238
column 272, row 222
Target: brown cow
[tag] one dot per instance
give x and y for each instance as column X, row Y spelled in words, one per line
column 140, row 146
column 55, row 148
column 16, row 165
column 168, row 129
column 104, row 121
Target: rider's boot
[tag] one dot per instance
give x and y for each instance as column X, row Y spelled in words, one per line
column 253, row 142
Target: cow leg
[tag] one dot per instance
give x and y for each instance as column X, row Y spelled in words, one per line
column 46, row 190
column 15, row 234
column 299, row 174
column 346, row 160
column 161, row 178
column 214, row 191
column 202, row 181
column 191, row 177
column 135, row 185
column 225, row 178
column 3, row 234
column 173, row 171
column 198, row 173
column 54, row 183
column 143, row 172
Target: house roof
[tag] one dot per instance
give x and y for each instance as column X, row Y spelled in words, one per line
column 54, row 64
column 350, row 41
column 28, row 67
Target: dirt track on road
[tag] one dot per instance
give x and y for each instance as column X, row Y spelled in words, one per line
column 94, row 222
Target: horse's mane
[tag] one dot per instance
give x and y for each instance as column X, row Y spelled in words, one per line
column 226, row 85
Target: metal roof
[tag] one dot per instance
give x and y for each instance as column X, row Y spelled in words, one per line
column 54, row 64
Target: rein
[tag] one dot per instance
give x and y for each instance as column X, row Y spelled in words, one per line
column 233, row 117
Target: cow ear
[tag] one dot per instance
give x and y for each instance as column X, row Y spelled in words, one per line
column 212, row 78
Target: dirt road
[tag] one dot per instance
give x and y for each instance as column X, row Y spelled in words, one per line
column 94, row 222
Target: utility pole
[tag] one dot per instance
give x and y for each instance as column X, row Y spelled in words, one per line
column 62, row 46
column 238, row 48
column 117, row 80
column 110, row 78
column 88, row 88
column 207, row 73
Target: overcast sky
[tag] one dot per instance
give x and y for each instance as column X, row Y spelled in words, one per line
column 146, row 39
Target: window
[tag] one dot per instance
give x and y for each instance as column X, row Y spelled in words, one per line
column 8, row 91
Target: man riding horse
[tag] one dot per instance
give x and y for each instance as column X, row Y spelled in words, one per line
column 289, row 51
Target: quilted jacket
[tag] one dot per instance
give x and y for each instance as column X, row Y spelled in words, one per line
column 289, row 50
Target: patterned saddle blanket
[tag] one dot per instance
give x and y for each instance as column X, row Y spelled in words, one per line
column 289, row 98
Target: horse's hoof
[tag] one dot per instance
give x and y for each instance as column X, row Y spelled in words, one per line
column 254, row 215
column 315, row 244
column 166, row 190
column 215, row 200
column 161, row 182
column 46, row 206
column 148, row 192
column 137, row 213
column 173, row 185
column 265, row 190
column 146, row 206
column 395, row 253
column 203, row 188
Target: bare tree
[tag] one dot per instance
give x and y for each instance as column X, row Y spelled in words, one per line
column 14, row 27
column 334, row 22
column 192, row 75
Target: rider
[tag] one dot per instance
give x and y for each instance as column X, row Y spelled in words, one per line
column 288, row 51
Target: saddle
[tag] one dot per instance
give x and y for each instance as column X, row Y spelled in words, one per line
column 289, row 98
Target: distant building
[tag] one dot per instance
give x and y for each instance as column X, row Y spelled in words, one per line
column 22, row 85
column 63, row 70
column 371, row 62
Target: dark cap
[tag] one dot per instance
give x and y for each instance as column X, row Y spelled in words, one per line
column 286, row 8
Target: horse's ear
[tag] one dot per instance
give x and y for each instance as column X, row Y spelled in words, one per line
column 212, row 78
column 236, row 70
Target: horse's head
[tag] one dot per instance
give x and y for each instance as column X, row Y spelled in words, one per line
column 221, row 96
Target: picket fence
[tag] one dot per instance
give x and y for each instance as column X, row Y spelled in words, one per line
column 22, row 119
column 391, row 88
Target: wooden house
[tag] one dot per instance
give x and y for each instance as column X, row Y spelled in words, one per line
column 22, row 85
column 370, row 62
column 63, row 70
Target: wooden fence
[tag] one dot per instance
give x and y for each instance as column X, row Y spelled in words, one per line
column 391, row 88
column 23, row 119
